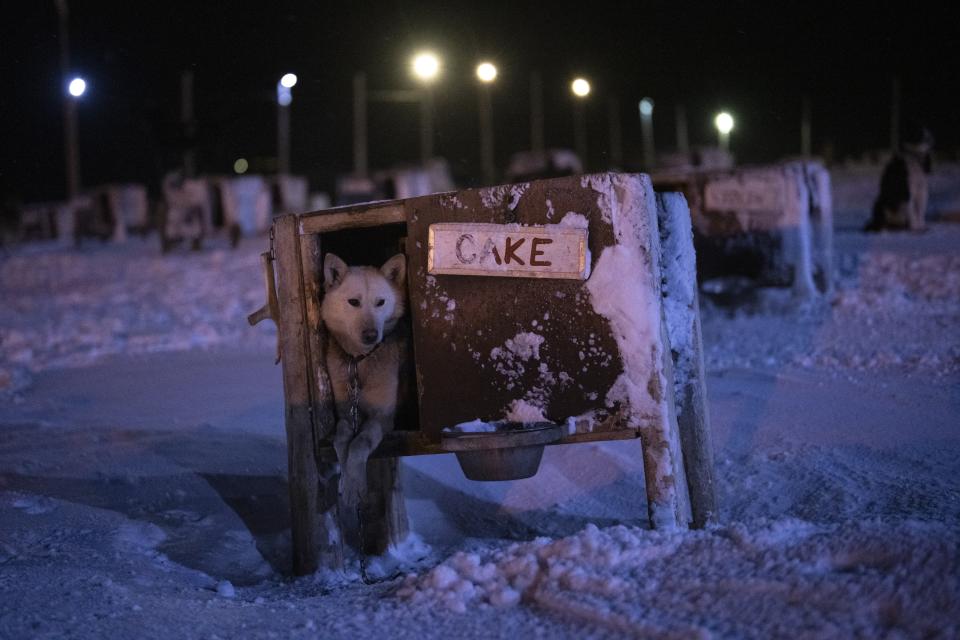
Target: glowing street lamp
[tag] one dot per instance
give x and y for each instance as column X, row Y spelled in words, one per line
column 646, row 128
column 284, row 98
column 75, row 90
column 724, row 124
column 77, row 87
column 426, row 67
column 486, row 73
column 581, row 89
column 287, row 82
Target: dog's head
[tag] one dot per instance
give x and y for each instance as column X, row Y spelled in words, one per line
column 362, row 304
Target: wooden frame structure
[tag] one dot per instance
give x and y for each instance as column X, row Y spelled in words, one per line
column 789, row 201
column 677, row 451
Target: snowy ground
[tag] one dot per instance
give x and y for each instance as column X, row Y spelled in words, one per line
column 142, row 465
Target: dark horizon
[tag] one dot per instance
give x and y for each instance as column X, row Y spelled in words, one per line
column 756, row 60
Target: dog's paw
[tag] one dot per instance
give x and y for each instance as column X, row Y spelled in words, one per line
column 350, row 499
column 351, row 495
column 352, row 489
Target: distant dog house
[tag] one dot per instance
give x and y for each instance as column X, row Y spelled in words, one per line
column 773, row 224
column 128, row 208
column 552, row 312
column 291, row 194
column 187, row 213
column 246, row 203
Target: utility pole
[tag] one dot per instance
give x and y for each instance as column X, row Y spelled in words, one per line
column 426, row 125
column 188, row 124
column 805, row 127
column 360, row 125
column 646, row 129
column 683, row 142
column 71, row 149
column 895, row 114
column 580, row 131
column 536, row 112
column 616, row 146
column 486, row 134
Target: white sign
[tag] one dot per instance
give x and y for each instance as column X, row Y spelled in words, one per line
column 746, row 193
column 507, row 250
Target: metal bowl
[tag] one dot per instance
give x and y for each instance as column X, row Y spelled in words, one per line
column 512, row 452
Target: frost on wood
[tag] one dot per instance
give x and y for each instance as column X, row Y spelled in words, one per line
column 509, row 193
column 624, row 286
column 625, row 289
column 680, row 277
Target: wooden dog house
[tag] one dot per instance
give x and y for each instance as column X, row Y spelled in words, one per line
column 568, row 302
column 773, row 223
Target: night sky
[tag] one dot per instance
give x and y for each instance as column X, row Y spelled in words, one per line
column 754, row 59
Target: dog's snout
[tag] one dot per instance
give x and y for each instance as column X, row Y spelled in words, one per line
column 369, row 336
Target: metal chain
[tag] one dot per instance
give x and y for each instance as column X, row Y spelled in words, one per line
column 353, row 389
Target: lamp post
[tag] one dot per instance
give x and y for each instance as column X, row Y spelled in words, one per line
column 426, row 67
column 75, row 88
column 536, row 112
column 284, row 98
column 581, row 89
column 724, row 124
column 616, row 146
column 360, row 125
column 646, row 129
column 486, row 74
column 683, row 142
column 806, row 146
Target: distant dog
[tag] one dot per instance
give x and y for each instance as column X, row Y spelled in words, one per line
column 902, row 203
column 361, row 310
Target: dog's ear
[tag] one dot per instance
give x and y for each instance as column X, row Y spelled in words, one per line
column 395, row 270
column 334, row 269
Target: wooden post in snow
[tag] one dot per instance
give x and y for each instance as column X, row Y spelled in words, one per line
column 682, row 308
column 384, row 511
column 330, row 538
column 301, row 461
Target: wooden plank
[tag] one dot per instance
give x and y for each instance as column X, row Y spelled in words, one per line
column 301, row 464
column 482, row 343
column 412, row 443
column 668, row 497
column 682, row 309
column 352, row 218
column 321, row 402
column 695, row 434
column 507, row 250
column 385, row 516
column 385, row 520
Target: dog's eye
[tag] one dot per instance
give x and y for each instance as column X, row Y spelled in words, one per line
column 380, row 302
column 354, row 302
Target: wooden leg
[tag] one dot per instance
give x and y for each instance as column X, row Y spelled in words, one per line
column 799, row 237
column 330, row 529
column 695, row 436
column 321, row 400
column 384, row 511
column 301, row 461
column 682, row 308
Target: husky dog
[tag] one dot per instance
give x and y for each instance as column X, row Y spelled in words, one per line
column 902, row 202
column 361, row 308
